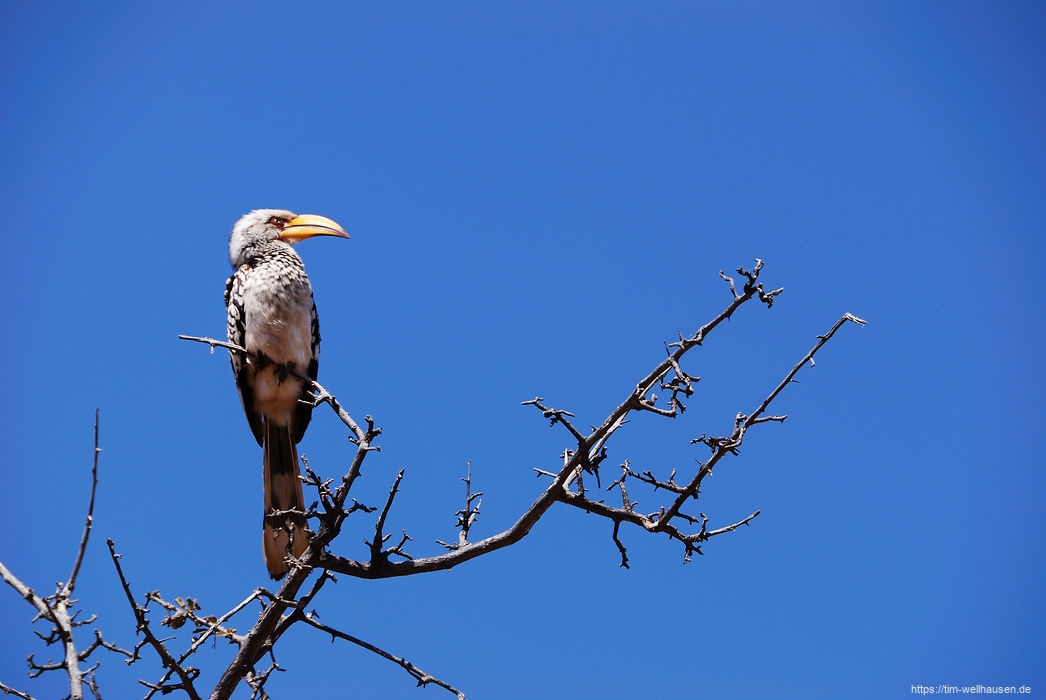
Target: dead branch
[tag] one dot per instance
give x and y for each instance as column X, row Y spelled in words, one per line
column 420, row 676
column 589, row 451
column 8, row 690
column 379, row 539
column 590, row 448
column 283, row 608
column 468, row 515
column 186, row 674
column 59, row 610
column 90, row 513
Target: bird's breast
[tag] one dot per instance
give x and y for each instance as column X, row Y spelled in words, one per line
column 278, row 309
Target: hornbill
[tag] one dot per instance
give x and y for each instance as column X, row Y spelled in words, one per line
column 272, row 315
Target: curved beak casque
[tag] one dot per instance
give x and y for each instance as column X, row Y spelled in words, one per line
column 308, row 225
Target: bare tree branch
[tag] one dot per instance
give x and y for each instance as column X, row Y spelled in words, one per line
column 468, row 515
column 556, row 415
column 588, row 446
column 668, row 376
column 58, row 608
column 90, row 512
column 210, row 627
column 375, row 546
column 730, row 444
column 99, row 642
column 7, row 690
column 420, row 676
column 285, row 607
column 186, row 675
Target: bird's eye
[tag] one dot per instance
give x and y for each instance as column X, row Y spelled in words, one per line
column 276, row 221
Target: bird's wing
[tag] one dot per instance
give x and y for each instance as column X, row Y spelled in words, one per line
column 303, row 412
column 237, row 329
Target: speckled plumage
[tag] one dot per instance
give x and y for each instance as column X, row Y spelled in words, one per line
column 271, row 313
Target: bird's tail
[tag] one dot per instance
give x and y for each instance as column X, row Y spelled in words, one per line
column 282, row 533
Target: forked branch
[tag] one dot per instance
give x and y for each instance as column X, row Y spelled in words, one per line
column 59, row 609
column 584, row 455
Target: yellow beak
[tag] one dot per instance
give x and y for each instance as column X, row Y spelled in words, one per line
column 308, row 225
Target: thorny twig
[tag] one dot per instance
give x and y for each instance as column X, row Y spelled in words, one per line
column 8, row 690
column 59, row 610
column 420, row 676
column 273, row 622
column 590, row 450
column 207, row 627
column 585, row 456
column 662, row 520
column 186, row 675
column 468, row 515
column 377, row 553
column 282, row 609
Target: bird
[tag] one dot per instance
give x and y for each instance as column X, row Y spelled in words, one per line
column 272, row 315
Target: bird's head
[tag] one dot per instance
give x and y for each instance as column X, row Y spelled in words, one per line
column 264, row 225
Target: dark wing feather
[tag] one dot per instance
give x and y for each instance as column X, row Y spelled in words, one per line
column 303, row 412
column 237, row 329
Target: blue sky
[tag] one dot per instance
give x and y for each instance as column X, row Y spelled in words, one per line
column 538, row 195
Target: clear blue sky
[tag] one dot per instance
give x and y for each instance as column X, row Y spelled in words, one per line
column 538, row 195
